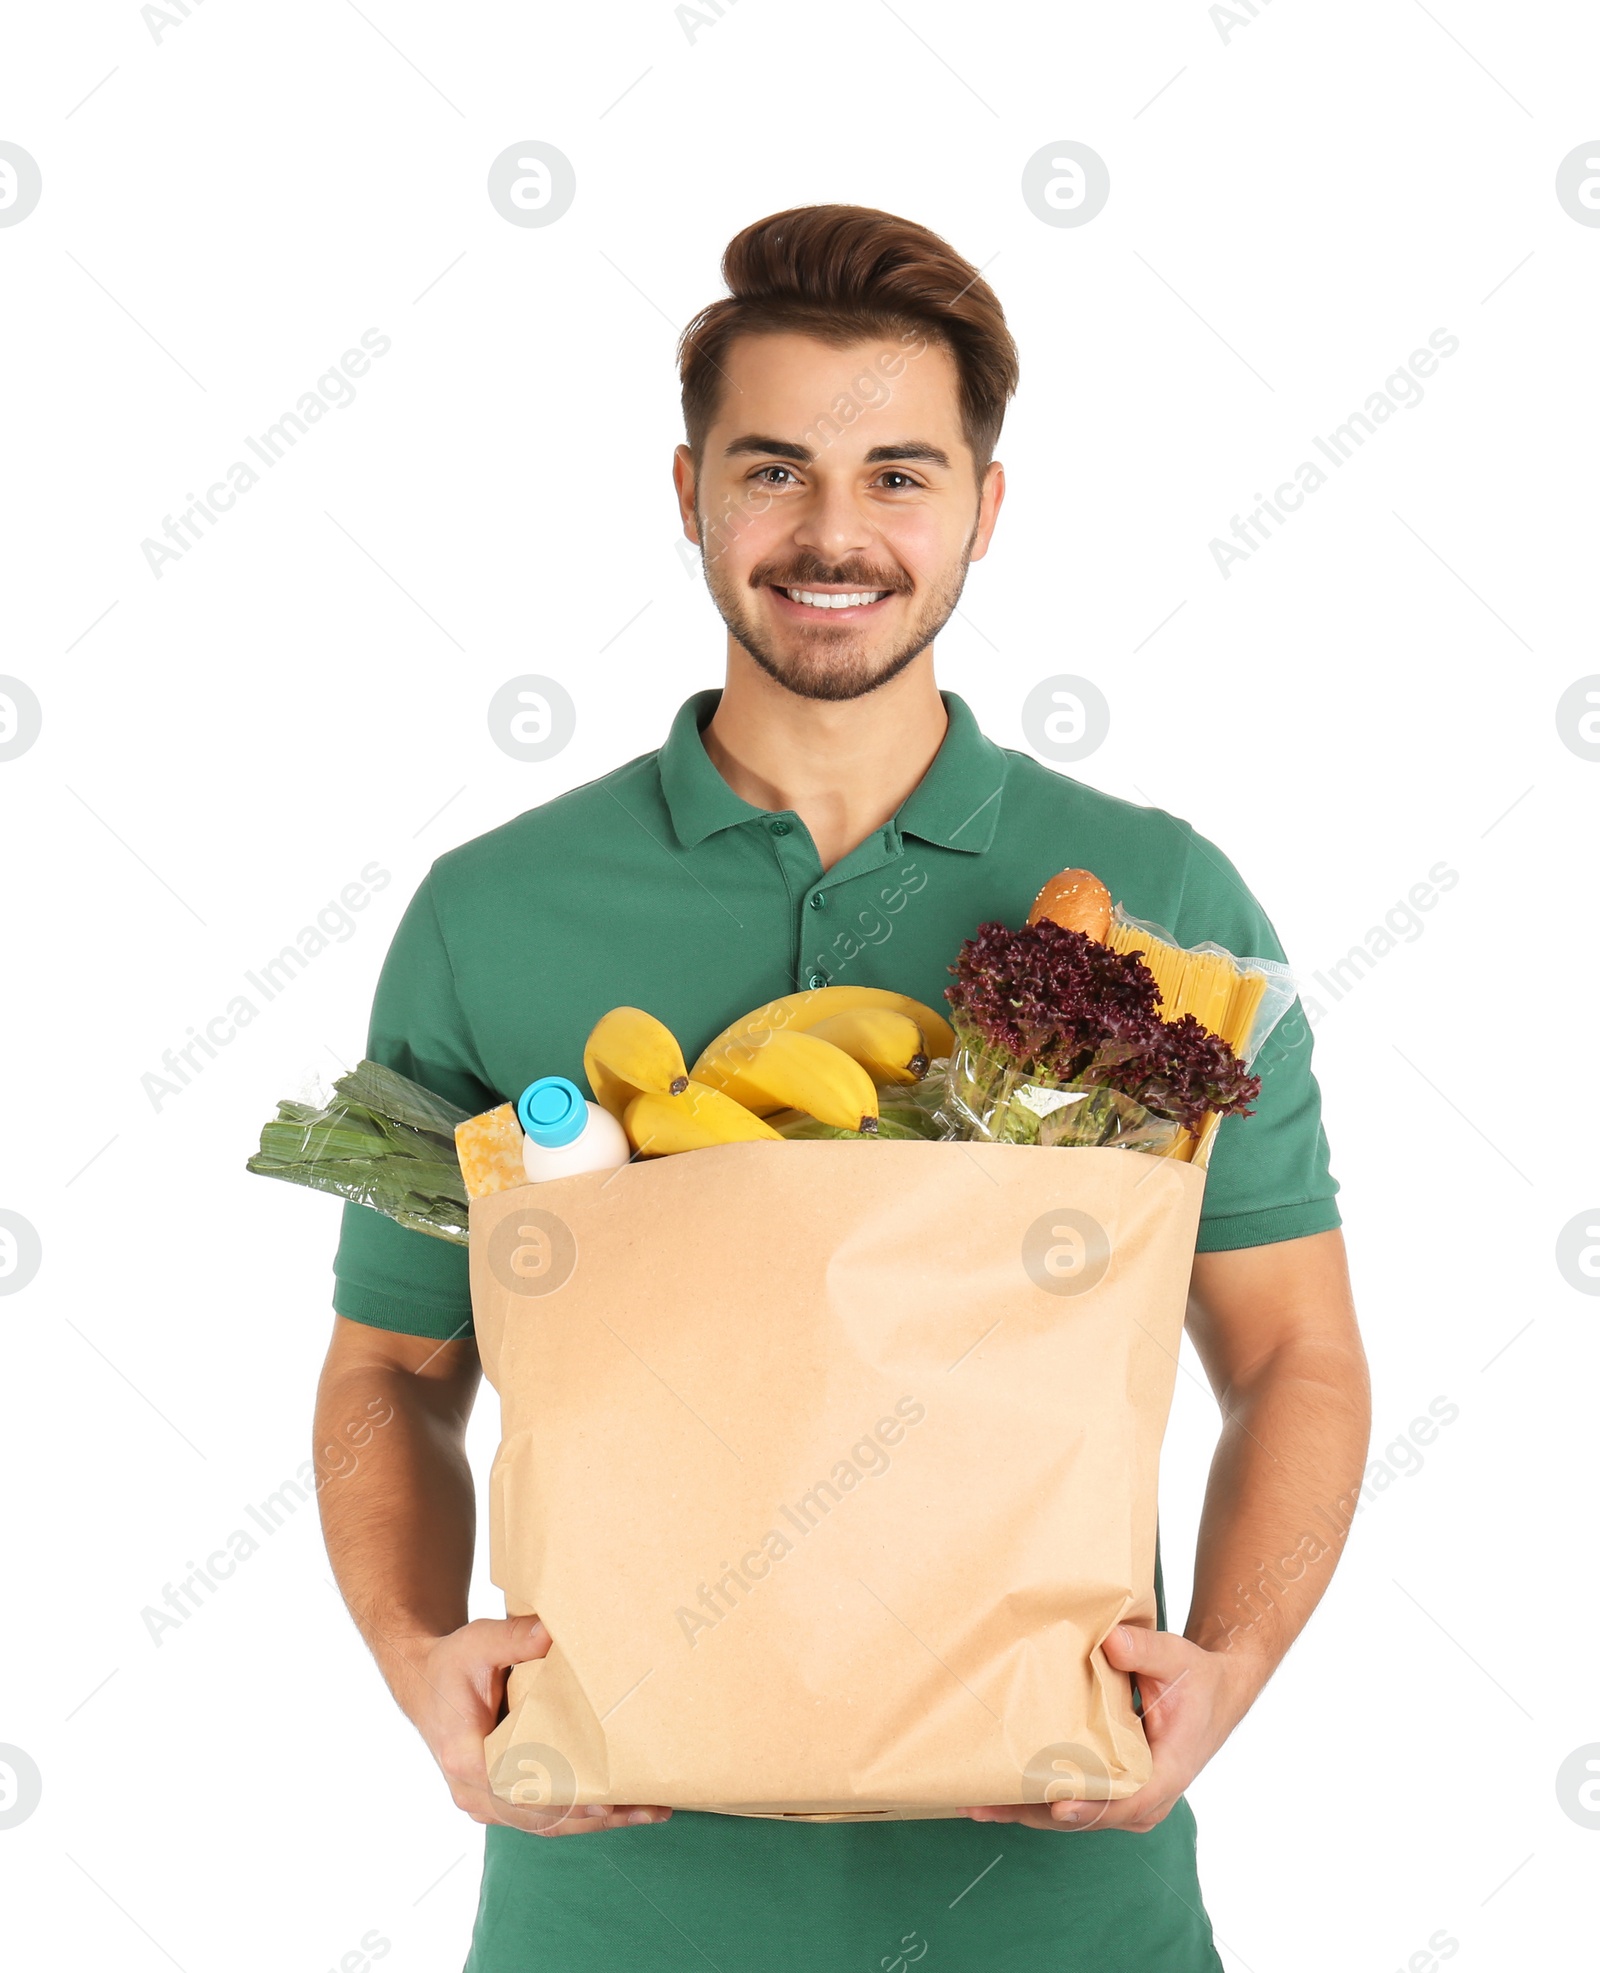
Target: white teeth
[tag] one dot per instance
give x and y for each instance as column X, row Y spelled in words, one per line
column 819, row 601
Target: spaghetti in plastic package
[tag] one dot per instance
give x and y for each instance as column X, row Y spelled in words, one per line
column 1242, row 999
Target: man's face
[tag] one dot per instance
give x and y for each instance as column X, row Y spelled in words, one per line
column 836, row 509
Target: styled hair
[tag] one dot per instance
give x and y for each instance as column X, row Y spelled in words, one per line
column 843, row 274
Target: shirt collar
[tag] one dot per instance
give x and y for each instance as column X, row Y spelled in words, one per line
column 956, row 803
column 699, row 801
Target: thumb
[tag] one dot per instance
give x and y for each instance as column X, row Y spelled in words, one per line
column 521, row 1638
column 1141, row 1648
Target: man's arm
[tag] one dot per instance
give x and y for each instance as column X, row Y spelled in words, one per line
column 1275, row 1327
column 398, row 1516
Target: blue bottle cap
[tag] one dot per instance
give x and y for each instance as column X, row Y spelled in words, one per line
column 552, row 1111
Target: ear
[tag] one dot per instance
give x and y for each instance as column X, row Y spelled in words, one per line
column 991, row 492
column 683, row 479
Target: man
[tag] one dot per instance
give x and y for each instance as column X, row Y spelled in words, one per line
column 831, row 816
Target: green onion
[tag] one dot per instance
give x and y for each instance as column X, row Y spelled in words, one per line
column 381, row 1140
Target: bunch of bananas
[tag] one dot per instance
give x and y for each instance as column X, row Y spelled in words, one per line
column 820, row 1054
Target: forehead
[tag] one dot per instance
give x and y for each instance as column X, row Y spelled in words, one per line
column 783, row 383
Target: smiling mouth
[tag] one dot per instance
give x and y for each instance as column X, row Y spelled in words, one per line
column 818, row 603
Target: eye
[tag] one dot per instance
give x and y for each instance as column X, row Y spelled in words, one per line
column 894, row 473
column 760, row 473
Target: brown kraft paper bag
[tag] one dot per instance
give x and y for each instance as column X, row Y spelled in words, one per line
column 829, row 1466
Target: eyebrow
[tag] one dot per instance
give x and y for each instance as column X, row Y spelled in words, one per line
column 880, row 455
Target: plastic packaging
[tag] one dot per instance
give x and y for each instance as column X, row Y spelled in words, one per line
column 1008, row 1106
column 992, row 1098
column 381, row 1140
column 905, row 1111
column 564, row 1134
column 1277, row 996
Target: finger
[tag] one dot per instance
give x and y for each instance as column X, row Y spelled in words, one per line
column 583, row 1819
column 1032, row 1815
column 524, row 1638
column 1140, row 1812
column 1076, row 1812
column 466, row 1673
column 1160, row 1654
column 495, row 1642
column 565, row 1817
column 462, row 1763
column 489, row 1647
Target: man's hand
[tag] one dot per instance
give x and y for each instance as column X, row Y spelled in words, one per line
column 1193, row 1699
column 397, row 1505
column 451, row 1688
column 1276, row 1330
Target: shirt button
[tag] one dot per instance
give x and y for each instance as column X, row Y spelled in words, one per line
column 780, row 827
column 817, row 900
column 817, row 980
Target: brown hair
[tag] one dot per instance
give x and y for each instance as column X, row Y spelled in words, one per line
column 841, row 274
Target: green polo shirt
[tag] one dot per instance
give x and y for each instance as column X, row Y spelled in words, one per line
column 657, row 886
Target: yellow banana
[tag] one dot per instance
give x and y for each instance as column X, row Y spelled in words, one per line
column 628, row 1052
column 784, row 1068
column 690, row 1119
column 887, row 1043
column 802, row 1011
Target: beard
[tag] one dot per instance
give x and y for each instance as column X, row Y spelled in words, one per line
column 825, row 661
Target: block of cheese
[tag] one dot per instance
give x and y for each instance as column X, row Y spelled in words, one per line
column 490, row 1150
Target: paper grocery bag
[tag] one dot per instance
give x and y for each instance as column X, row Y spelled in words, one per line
column 829, row 1466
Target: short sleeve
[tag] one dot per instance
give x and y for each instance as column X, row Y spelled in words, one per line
column 387, row 1275
column 1269, row 1176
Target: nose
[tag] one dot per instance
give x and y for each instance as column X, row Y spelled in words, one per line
column 834, row 527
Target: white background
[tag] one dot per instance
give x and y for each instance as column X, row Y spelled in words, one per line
column 1308, row 196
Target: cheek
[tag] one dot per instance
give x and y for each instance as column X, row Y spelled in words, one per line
column 924, row 541
column 751, row 527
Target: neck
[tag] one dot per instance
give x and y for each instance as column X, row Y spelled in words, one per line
column 843, row 765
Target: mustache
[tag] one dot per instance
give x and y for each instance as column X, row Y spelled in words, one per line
column 814, row 573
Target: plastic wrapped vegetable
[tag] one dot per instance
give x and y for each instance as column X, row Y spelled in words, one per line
column 905, row 1110
column 1059, row 1040
column 381, row 1140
